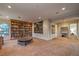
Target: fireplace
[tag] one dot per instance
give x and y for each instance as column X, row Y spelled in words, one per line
column 64, row 31
column 64, row 34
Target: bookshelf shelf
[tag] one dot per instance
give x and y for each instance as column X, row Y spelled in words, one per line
column 20, row 29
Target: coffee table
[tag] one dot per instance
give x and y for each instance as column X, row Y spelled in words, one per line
column 24, row 41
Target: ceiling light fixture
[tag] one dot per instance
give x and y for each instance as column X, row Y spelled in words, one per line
column 39, row 17
column 7, row 17
column 9, row 6
column 63, row 8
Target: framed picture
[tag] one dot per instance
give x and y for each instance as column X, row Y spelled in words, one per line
column 38, row 27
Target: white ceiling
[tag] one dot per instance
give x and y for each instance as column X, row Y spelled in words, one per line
column 32, row 11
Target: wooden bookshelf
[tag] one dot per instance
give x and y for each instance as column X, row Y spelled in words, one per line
column 20, row 29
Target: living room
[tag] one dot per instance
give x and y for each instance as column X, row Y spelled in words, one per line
column 34, row 26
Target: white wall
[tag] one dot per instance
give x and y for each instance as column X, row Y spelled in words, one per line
column 47, row 32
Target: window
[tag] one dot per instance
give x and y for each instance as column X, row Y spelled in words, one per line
column 73, row 28
column 4, row 30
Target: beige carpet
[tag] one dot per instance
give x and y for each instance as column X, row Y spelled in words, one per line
column 55, row 47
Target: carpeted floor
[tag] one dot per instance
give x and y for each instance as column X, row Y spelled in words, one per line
column 55, row 47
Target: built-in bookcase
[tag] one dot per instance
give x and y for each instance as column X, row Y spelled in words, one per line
column 20, row 29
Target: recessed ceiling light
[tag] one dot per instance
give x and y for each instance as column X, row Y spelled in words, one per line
column 63, row 8
column 9, row 6
column 39, row 17
column 7, row 17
